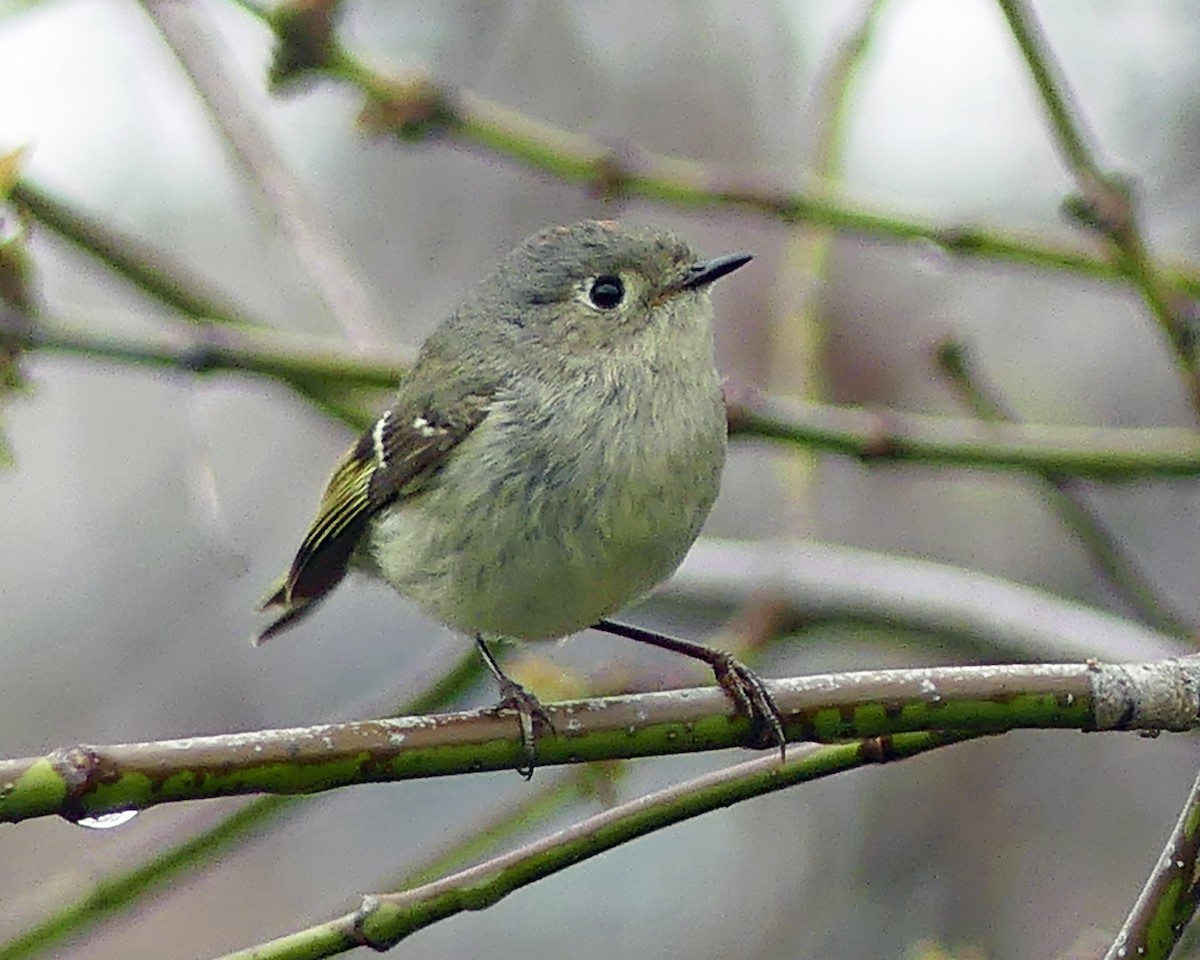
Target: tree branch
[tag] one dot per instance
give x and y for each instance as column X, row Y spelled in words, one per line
column 199, row 54
column 1106, row 202
column 384, row 920
column 315, row 367
column 1110, row 559
column 415, row 107
column 888, row 435
column 150, row 269
column 112, row 895
column 86, row 781
column 1168, row 902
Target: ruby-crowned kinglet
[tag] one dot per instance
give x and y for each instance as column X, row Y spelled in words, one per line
column 549, row 458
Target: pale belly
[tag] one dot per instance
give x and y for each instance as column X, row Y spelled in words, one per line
column 554, row 544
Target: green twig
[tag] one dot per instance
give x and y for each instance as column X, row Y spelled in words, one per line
column 416, row 107
column 86, row 781
column 1071, row 500
column 889, row 436
column 1106, row 201
column 383, row 921
column 798, row 333
column 167, row 280
column 146, row 267
column 1168, row 902
column 285, row 356
column 536, row 805
column 114, row 894
column 325, row 371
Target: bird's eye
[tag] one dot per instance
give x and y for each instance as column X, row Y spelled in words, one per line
column 607, row 292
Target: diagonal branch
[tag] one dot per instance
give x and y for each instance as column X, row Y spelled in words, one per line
column 1168, row 902
column 384, row 920
column 415, row 107
column 1112, row 561
column 1106, row 202
column 151, row 269
column 202, row 59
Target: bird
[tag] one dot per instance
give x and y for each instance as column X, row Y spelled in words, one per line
column 548, row 460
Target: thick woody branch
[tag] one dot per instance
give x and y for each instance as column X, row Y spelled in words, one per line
column 89, row 780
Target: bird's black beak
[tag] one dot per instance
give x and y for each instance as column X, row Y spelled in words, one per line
column 707, row 271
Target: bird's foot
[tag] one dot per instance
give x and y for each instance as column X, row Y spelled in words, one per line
column 750, row 694
column 532, row 717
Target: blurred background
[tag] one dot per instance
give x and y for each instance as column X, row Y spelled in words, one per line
column 147, row 511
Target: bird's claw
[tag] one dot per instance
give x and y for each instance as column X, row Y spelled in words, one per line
column 532, row 717
column 750, row 694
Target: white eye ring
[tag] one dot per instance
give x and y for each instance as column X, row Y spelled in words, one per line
column 604, row 292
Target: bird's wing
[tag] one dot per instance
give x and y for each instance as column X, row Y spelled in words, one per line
column 405, row 447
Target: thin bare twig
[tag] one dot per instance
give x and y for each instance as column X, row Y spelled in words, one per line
column 1105, row 551
column 201, row 57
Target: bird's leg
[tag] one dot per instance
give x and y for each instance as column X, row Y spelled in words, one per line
column 743, row 685
column 529, row 709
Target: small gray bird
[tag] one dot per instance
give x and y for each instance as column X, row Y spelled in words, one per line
column 549, row 459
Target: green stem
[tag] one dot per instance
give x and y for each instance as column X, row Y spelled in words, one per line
column 146, row 267
column 383, row 921
column 887, row 436
column 88, row 781
column 415, row 107
column 114, row 894
column 285, row 356
column 1168, row 901
column 1106, row 201
column 322, row 371
column 1071, row 500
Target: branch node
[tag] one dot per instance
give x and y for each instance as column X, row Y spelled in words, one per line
column 306, row 41
column 613, row 171
column 80, row 768
column 883, row 442
column 358, row 926
column 959, row 240
column 1105, row 204
column 413, row 107
column 878, row 749
column 1155, row 696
